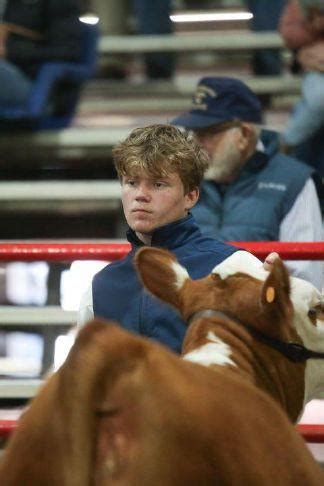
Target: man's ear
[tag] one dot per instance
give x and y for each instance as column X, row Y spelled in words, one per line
column 275, row 295
column 247, row 136
column 161, row 274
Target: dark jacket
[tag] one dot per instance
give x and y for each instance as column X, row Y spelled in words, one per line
column 118, row 294
column 56, row 20
column 254, row 205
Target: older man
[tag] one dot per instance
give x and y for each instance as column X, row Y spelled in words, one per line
column 251, row 191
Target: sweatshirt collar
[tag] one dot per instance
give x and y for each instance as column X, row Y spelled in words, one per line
column 169, row 236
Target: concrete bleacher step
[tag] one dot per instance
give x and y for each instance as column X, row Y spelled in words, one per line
column 97, row 129
column 109, row 110
column 165, row 95
column 85, row 196
column 218, row 40
column 123, row 97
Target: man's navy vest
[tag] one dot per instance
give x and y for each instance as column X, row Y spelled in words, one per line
column 254, row 205
column 119, row 295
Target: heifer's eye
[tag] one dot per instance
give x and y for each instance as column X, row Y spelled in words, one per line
column 315, row 313
column 312, row 314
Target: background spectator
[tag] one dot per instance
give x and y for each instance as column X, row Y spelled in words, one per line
column 30, row 34
column 302, row 27
column 252, row 191
column 266, row 16
column 154, row 18
column 149, row 18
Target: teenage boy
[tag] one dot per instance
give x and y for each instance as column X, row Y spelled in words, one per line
column 160, row 170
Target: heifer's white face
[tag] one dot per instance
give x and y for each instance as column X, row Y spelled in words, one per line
column 305, row 297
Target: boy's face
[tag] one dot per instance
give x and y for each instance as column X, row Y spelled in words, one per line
column 150, row 202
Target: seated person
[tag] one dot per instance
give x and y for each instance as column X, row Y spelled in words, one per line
column 32, row 33
column 252, row 192
column 302, row 28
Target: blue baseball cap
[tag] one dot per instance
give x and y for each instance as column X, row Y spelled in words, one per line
column 220, row 100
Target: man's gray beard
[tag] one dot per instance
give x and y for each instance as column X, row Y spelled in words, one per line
column 224, row 166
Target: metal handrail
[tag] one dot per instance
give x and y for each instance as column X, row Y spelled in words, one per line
column 109, row 250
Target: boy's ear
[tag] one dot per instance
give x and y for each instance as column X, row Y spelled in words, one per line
column 192, row 198
column 161, row 274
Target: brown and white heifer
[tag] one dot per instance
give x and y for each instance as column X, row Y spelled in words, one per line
column 308, row 320
column 123, row 410
column 281, row 326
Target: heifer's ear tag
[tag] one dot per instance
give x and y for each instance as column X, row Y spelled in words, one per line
column 270, row 295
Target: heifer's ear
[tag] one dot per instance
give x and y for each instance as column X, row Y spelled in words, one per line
column 276, row 291
column 161, row 274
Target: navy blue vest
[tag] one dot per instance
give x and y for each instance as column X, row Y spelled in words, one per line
column 254, row 205
column 118, row 294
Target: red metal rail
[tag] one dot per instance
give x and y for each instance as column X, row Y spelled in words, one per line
column 311, row 433
column 7, row 427
column 59, row 251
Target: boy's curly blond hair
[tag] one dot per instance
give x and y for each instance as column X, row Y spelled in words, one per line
column 160, row 150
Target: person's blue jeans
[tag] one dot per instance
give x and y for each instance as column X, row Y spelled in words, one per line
column 266, row 15
column 153, row 17
column 15, row 86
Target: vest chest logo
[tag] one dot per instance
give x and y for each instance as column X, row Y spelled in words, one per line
column 272, row 186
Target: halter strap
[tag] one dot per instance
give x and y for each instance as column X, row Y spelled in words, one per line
column 293, row 351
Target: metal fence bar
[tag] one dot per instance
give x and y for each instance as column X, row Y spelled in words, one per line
column 313, row 434
column 59, row 251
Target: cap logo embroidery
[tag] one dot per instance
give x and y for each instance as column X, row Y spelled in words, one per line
column 200, row 96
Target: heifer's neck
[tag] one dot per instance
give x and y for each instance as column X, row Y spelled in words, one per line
column 222, row 342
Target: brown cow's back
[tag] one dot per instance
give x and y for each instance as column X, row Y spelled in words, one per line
column 149, row 417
